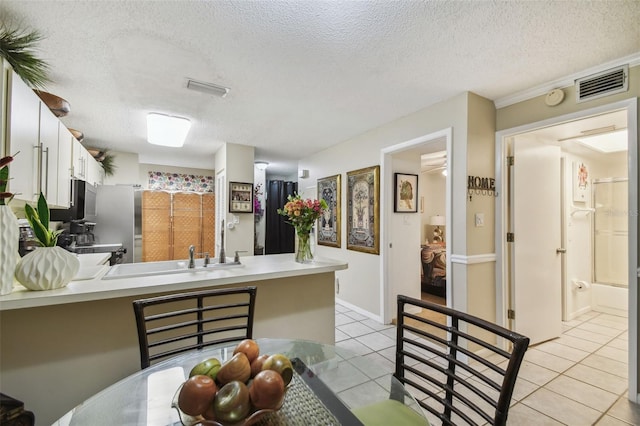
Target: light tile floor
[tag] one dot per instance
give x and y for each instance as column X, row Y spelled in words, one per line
column 577, row 379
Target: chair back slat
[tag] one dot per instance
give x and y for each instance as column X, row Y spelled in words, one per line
column 464, row 371
column 176, row 323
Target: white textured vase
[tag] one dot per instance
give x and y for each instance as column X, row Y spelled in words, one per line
column 47, row 268
column 9, row 242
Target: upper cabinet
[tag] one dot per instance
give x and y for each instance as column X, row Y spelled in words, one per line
column 48, row 154
column 23, row 139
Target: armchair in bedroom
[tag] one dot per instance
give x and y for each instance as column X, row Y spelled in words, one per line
column 433, row 277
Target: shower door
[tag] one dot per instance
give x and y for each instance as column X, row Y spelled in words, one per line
column 610, row 246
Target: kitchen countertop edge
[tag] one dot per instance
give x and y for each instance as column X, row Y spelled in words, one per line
column 254, row 268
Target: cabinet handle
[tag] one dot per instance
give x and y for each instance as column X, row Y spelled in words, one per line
column 37, row 175
column 46, row 174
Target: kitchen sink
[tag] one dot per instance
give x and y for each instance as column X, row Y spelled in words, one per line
column 126, row 270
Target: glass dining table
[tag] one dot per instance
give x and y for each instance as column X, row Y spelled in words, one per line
column 328, row 383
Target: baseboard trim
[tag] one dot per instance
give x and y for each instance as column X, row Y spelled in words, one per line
column 360, row 310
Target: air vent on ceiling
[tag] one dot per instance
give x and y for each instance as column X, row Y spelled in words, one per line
column 602, row 84
column 209, row 88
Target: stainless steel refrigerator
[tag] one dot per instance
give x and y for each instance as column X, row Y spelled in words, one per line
column 118, row 218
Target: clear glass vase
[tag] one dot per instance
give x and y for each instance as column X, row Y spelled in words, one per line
column 303, row 252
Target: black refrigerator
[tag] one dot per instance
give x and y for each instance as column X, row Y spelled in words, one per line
column 279, row 235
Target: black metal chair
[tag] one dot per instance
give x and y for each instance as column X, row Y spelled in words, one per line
column 176, row 323
column 463, row 372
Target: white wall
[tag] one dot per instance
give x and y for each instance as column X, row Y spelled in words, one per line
column 237, row 163
column 361, row 283
column 578, row 233
column 433, row 187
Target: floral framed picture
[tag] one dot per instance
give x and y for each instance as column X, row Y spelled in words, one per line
column 405, row 193
column 240, row 197
column 329, row 226
column 363, row 210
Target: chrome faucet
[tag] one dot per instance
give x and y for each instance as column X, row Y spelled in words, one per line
column 192, row 251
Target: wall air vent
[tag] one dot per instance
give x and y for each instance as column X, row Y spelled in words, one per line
column 602, row 84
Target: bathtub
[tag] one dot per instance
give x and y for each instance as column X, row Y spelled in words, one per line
column 609, row 299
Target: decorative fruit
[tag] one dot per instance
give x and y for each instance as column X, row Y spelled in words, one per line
column 210, row 413
column 197, row 394
column 249, row 347
column 232, row 403
column 237, row 368
column 256, row 365
column 281, row 364
column 208, row 367
column 267, row 390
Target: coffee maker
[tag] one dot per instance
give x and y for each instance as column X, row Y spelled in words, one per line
column 81, row 232
column 28, row 241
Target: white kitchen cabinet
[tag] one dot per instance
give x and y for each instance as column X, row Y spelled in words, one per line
column 94, row 171
column 48, row 179
column 79, row 156
column 23, row 139
column 65, row 145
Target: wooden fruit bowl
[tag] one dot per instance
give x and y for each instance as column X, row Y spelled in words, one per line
column 58, row 106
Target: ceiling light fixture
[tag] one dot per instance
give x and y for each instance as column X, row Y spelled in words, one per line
column 167, row 130
column 208, row 88
column 261, row 165
column 607, row 142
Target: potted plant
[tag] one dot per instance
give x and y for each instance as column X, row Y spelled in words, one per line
column 9, row 231
column 48, row 267
column 17, row 47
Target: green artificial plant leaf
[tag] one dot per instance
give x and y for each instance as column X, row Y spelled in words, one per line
column 42, row 233
column 43, row 211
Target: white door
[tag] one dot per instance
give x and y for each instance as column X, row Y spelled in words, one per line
column 535, row 289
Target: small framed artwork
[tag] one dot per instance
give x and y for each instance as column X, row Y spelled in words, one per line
column 329, row 226
column 363, row 210
column 580, row 181
column 405, row 193
column 240, row 197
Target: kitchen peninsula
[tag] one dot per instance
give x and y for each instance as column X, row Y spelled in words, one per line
column 59, row 347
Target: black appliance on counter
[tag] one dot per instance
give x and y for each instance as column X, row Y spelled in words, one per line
column 78, row 237
column 83, row 204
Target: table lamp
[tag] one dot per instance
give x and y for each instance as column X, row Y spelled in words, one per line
column 437, row 221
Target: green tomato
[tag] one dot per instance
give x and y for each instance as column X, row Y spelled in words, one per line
column 208, row 367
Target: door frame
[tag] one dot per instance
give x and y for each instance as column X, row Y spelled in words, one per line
column 631, row 106
column 387, row 305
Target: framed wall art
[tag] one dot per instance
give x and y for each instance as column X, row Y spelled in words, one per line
column 240, row 197
column 580, row 182
column 363, row 210
column 405, row 193
column 329, row 226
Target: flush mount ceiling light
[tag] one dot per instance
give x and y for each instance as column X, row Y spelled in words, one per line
column 608, row 142
column 208, row 88
column 261, row 165
column 605, row 139
column 167, row 130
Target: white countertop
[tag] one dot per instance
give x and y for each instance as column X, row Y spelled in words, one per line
column 254, row 268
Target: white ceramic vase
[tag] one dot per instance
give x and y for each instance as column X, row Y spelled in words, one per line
column 9, row 242
column 47, row 268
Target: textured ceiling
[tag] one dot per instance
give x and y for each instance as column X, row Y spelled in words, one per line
column 304, row 75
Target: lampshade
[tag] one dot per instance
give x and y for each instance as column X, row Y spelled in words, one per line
column 437, row 220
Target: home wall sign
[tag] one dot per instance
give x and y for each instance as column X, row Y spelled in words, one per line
column 481, row 186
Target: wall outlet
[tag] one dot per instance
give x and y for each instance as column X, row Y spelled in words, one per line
column 337, row 285
column 479, row 219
